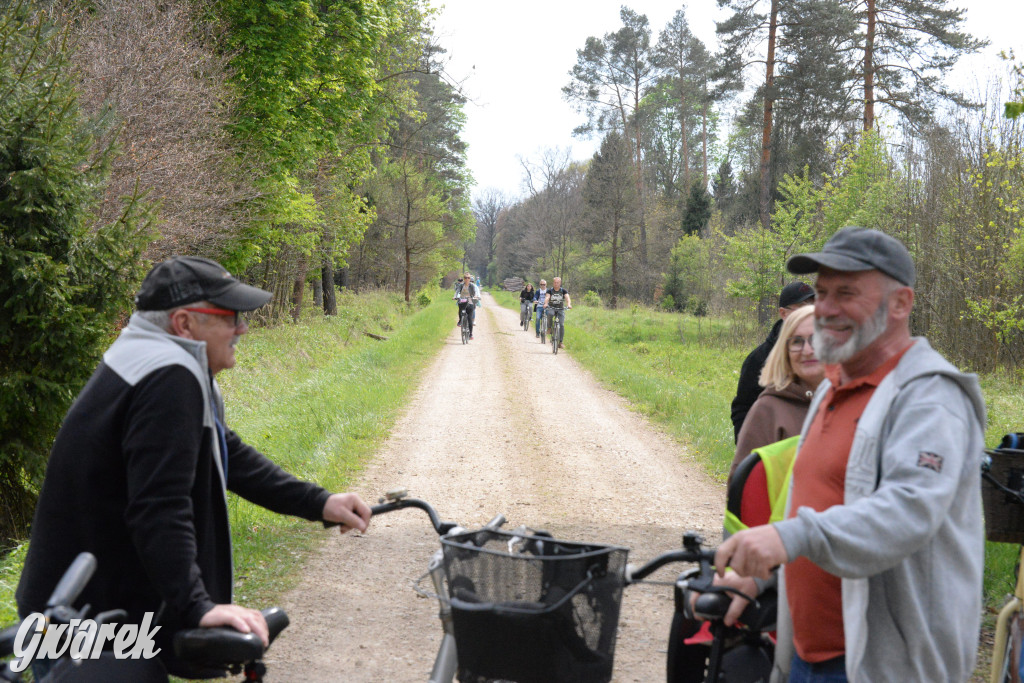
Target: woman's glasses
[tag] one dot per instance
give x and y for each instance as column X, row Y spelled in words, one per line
column 797, row 344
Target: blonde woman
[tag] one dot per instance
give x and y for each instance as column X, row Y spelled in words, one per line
column 790, row 376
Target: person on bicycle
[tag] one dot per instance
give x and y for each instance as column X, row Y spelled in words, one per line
column 467, row 293
column 526, row 300
column 556, row 301
column 538, row 300
column 882, row 545
column 140, row 468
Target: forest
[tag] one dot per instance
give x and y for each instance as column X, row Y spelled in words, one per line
column 715, row 166
column 312, row 146
column 304, row 145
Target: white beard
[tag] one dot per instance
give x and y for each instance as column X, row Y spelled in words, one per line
column 829, row 352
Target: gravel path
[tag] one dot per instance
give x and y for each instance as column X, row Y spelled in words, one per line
column 499, row 425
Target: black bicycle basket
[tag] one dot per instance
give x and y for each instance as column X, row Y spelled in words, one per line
column 533, row 609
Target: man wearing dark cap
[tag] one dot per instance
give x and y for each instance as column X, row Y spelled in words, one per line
column 139, row 471
column 793, row 296
column 882, row 545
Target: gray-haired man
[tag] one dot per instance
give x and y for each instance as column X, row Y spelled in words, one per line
column 883, row 542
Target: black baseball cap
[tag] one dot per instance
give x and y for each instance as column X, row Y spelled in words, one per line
column 795, row 293
column 184, row 280
column 853, row 249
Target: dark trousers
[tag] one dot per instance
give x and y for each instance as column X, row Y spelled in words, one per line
column 470, row 309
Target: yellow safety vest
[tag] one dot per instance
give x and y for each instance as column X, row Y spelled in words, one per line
column 778, row 459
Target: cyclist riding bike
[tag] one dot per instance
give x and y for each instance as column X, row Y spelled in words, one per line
column 556, row 301
column 526, row 298
column 467, row 293
column 538, row 299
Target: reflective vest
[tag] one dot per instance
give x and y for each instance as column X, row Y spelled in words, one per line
column 777, row 459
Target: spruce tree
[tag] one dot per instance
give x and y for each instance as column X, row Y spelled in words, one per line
column 64, row 280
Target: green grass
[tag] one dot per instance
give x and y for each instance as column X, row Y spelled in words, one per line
column 682, row 371
column 318, row 398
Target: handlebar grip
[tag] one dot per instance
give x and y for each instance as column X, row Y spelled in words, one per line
column 74, row 580
column 497, row 522
column 277, row 621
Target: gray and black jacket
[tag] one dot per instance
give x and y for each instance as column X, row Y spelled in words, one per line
column 136, row 478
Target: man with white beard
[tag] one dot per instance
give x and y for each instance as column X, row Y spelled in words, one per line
column 882, row 545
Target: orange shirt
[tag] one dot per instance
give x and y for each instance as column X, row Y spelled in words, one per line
column 819, row 480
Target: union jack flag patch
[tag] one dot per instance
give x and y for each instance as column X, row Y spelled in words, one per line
column 931, row 461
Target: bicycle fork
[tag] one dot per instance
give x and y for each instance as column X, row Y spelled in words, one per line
column 446, row 662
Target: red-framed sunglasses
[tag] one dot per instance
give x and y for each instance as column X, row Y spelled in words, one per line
column 217, row 311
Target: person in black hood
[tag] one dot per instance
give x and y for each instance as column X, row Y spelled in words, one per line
column 793, row 296
column 140, row 469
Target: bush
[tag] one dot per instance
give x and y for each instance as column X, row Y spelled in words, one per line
column 64, row 279
column 667, row 303
column 592, row 298
column 423, row 299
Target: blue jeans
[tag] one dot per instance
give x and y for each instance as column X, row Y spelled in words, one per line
column 829, row 671
column 540, row 314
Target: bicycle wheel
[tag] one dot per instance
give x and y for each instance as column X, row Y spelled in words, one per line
column 465, row 328
column 543, row 329
column 556, row 327
column 1006, row 653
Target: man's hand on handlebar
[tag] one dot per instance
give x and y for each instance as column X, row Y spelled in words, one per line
column 239, row 618
column 348, row 510
column 743, row 584
column 752, row 552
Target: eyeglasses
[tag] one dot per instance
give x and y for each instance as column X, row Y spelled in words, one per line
column 238, row 320
column 796, row 344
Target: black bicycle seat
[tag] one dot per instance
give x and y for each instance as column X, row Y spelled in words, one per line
column 222, row 646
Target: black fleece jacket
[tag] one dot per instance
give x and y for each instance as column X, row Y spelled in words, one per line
column 747, row 389
column 133, row 478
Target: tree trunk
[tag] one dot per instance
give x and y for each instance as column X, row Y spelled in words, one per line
column 327, row 284
column 318, row 292
column 640, row 175
column 408, row 251
column 764, row 203
column 869, row 69
column 686, row 138
column 615, row 264
column 298, row 290
column 704, row 136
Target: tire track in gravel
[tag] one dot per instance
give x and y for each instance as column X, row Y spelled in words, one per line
column 499, row 425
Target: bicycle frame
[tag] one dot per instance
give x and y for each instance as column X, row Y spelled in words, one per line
column 1013, row 608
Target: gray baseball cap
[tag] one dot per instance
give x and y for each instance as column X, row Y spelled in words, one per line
column 853, row 248
column 182, row 280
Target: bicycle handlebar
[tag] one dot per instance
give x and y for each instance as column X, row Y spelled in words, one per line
column 58, row 607
column 73, row 581
column 704, row 557
column 440, row 527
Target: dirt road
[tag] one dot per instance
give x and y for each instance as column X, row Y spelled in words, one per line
column 499, row 425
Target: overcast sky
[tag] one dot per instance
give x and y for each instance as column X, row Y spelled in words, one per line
column 514, row 58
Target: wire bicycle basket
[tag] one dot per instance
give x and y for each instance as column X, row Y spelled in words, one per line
column 531, row 608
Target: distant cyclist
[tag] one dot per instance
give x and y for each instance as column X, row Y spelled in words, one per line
column 467, row 293
column 555, row 302
column 539, row 299
column 526, row 298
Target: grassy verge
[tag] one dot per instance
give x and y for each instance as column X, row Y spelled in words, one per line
column 681, row 372
column 678, row 370
column 318, row 398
